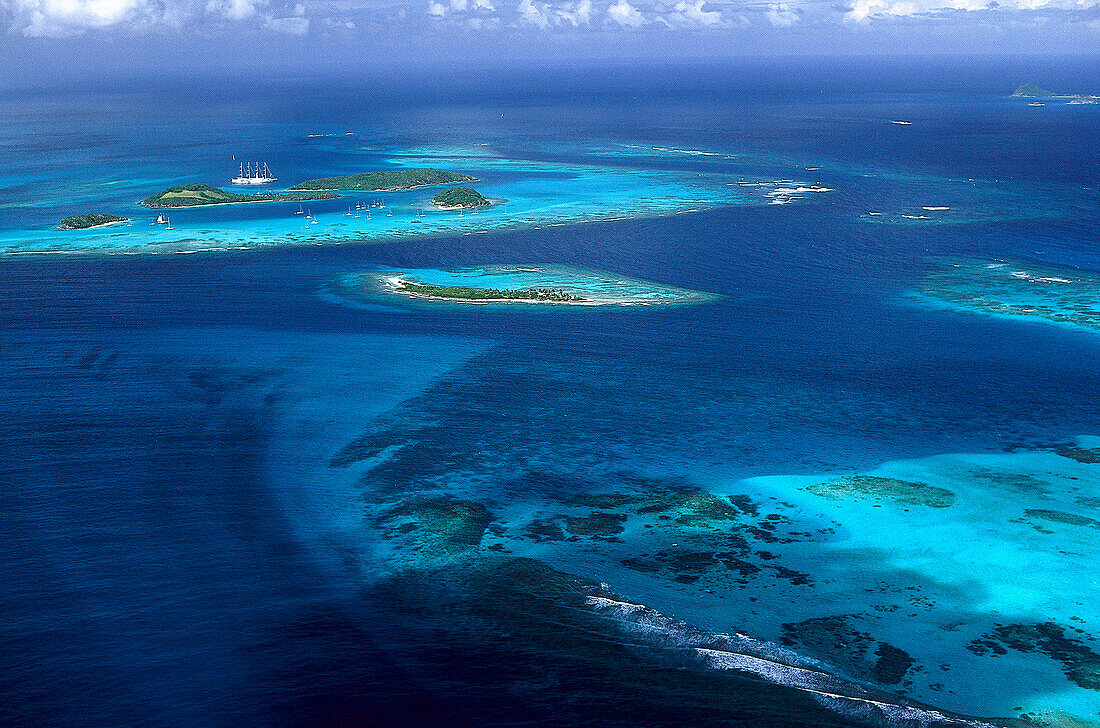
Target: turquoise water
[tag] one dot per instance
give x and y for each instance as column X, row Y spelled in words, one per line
column 525, row 193
column 1021, row 290
column 237, row 493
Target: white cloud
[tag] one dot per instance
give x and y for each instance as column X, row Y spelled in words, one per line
column 483, row 23
column 865, row 10
column 67, row 17
column 234, row 9
column 545, row 15
column 296, row 25
column 463, row 11
column 626, row 15
column 692, row 15
column 577, row 13
column 781, row 15
column 534, row 15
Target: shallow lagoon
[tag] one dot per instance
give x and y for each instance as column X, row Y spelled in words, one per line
column 1017, row 289
column 526, row 194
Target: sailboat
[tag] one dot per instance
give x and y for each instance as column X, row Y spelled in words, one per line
column 168, row 225
column 300, row 211
column 251, row 175
column 161, row 219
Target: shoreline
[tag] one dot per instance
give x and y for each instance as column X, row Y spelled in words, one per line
column 387, row 189
column 238, row 202
column 100, row 225
column 395, row 285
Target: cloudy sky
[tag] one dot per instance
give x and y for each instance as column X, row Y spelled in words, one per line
column 50, row 34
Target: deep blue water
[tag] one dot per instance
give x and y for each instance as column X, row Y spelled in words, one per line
column 177, row 550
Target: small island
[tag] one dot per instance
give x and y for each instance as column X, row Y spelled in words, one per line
column 459, row 198
column 194, row 195
column 390, row 180
column 463, row 293
column 1030, row 90
column 89, row 220
column 545, row 286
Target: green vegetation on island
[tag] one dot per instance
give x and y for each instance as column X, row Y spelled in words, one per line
column 1031, row 90
column 193, row 195
column 389, row 180
column 487, row 294
column 89, row 220
column 459, row 197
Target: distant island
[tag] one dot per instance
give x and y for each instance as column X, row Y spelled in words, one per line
column 193, row 195
column 1031, row 91
column 89, row 220
column 463, row 293
column 390, row 180
column 459, row 198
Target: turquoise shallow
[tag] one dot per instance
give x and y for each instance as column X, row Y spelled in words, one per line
column 805, row 465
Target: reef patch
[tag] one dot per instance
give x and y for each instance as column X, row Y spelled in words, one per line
column 837, row 640
column 1079, row 662
column 872, row 487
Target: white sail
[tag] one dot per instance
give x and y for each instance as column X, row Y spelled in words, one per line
column 250, row 174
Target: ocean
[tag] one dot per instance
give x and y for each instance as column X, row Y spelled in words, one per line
column 831, row 460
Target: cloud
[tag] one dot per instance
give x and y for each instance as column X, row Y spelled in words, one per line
column 865, row 10
column 533, row 15
column 234, row 9
column 296, row 25
column 626, row 15
column 54, row 18
column 545, row 16
column 781, row 15
column 691, row 15
column 459, row 9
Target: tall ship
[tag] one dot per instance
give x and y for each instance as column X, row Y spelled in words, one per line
column 251, row 175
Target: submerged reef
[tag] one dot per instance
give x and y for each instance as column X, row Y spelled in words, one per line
column 871, row 487
column 514, row 636
column 838, row 640
column 1079, row 662
column 1072, row 519
column 598, row 523
column 1087, row 455
column 435, row 526
column 1045, row 292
